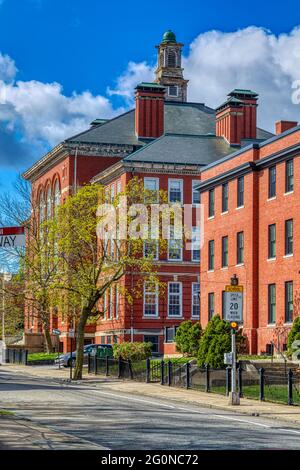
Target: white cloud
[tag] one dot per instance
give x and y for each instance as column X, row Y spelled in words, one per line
column 251, row 58
column 8, row 68
column 36, row 115
column 134, row 74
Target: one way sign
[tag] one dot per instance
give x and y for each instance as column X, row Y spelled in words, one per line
column 12, row 237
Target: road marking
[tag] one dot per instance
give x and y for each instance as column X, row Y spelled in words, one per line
column 243, row 421
column 289, row 430
column 135, row 399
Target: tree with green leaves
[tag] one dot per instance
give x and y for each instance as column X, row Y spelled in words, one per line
column 294, row 335
column 187, row 338
column 91, row 255
column 215, row 341
column 36, row 263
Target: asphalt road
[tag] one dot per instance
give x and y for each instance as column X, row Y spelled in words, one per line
column 122, row 422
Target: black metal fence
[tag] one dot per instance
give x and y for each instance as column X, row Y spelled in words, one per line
column 16, row 356
column 277, row 386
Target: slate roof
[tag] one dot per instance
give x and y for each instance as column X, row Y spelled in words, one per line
column 182, row 149
column 180, row 118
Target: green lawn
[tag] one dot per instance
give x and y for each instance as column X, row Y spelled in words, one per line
column 6, row 413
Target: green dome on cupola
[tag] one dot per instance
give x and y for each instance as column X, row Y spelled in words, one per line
column 169, row 36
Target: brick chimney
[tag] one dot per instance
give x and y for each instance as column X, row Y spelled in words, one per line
column 236, row 119
column 149, row 110
column 282, row 126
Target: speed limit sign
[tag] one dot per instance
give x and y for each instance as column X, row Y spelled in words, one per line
column 234, row 304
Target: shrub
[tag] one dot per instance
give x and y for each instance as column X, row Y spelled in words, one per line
column 188, row 338
column 215, row 341
column 294, row 335
column 134, row 351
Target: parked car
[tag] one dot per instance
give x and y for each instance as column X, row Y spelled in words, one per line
column 65, row 359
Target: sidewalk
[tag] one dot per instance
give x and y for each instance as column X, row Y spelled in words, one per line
column 20, row 434
column 210, row 400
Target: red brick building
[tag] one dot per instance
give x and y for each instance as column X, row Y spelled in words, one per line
column 252, row 202
column 171, row 144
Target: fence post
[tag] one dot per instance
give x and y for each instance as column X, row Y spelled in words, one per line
column 95, row 364
column 188, row 370
column 148, row 365
column 228, row 380
column 119, row 367
column 262, row 384
column 26, row 357
column 162, row 372
column 290, row 387
column 106, row 366
column 169, row 373
column 240, row 380
column 207, row 388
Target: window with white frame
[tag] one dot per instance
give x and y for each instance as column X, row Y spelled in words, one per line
column 111, row 305
column 151, row 249
column 116, row 302
column 174, row 299
column 104, row 305
column 151, row 186
column 118, row 187
column 196, row 243
column 195, row 192
column 150, row 299
column 174, row 247
column 175, row 190
column 195, row 300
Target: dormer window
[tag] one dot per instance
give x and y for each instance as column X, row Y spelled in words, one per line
column 173, row 90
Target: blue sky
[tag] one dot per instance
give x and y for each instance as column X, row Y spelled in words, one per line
column 79, row 59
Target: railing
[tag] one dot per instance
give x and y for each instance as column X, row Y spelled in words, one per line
column 281, row 354
column 263, row 384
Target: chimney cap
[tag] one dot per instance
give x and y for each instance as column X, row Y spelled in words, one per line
column 232, row 101
column 150, row 86
column 238, row 92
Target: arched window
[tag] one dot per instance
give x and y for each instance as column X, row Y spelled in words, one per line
column 42, row 207
column 172, row 59
column 49, row 202
column 56, row 196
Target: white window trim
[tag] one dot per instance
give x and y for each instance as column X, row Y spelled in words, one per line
column 172, row 260
column 119, row 186
column 117, row 303
column 195, row 249
column 194, row 182
column 156, row 302
column 180, row 297
column 169, row 185
column 192, row 315
column 111, row 305
column 156, row 257
column 149, row 178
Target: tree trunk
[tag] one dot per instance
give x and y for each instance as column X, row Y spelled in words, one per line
column 48, row 340
column 80, row 343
